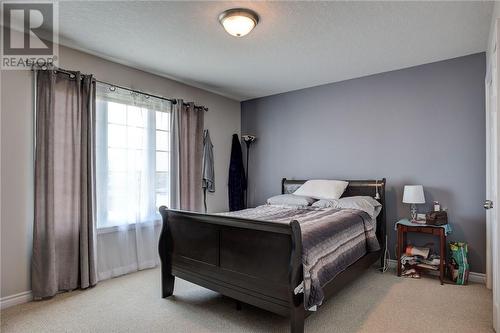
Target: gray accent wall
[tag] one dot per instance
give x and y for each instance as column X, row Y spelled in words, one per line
column 420, row 125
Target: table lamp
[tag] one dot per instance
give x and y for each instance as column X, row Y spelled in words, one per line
column 413, row 194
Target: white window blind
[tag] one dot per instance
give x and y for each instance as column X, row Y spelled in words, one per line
column 132, row 157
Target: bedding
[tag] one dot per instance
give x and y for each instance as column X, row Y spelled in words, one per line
column 322, row 189
column 290, row 200
column 332, row 240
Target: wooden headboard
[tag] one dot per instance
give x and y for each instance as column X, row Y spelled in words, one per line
column 355, row 188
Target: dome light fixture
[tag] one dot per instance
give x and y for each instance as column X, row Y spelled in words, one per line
column 238, row 22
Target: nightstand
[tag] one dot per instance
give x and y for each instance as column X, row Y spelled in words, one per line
column 405, row 226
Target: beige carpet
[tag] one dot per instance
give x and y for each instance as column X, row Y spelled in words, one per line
column 373, row 303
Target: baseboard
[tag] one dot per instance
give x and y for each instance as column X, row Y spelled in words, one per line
column 119, row 271
column 8, row 301
column 26, row 296
column 473, row 276
column 496, row 315
column 477, row 277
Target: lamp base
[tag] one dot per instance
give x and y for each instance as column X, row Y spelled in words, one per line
column 413, row 212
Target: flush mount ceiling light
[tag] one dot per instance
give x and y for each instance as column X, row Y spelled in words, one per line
column 238, row 21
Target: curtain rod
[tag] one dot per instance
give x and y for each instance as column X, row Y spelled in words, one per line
column 171, row 100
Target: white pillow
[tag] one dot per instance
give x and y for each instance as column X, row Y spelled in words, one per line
column 322, row 189
column 290, row 200
column 364, row 203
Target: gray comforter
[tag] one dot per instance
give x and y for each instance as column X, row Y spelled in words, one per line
column 332, row 240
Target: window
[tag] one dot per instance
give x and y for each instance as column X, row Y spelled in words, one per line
column 162, row 176
column 132, row 157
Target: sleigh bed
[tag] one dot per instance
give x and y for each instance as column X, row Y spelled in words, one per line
column 254, row 261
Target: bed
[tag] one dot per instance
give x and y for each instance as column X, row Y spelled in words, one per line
column 254, row 261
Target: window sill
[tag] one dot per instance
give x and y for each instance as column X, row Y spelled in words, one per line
column 132, row 226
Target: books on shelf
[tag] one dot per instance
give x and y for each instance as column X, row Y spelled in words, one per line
column 417, row 251
column 418, row 258
column 434, row 260
column 427, row 266
column 411, row 272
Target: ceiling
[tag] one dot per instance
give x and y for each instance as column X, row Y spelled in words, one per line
column 296, row 44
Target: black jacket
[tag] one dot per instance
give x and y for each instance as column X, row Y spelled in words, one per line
column 237, row 182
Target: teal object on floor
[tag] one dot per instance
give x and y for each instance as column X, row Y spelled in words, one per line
column 459, row 253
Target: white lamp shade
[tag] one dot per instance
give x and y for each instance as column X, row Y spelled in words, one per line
column 414, row 194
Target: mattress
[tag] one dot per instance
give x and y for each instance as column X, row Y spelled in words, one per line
column 332, row 240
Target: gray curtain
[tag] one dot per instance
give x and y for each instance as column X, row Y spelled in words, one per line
column 64, row 230
column 187, row 123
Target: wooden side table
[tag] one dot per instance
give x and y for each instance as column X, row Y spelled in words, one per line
column 423, row 229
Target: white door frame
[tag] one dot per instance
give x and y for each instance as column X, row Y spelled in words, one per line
column 492, row 175
column 489, row 195
column 492, row 186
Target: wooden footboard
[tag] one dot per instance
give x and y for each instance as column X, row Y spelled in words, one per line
column 255, row 262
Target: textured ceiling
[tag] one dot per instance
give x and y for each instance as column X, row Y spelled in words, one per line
column 296, row 44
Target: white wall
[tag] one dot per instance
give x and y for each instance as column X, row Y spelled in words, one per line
column 16, row 181
column 16, row 118
column 494, row 16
